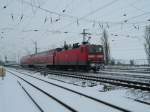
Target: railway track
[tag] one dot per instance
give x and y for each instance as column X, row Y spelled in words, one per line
column 113, row 74
column 47, row 94
column 130, row 76
column 124, row 75
column 122, row 81
column 71, row 90
column 137, row 71
column 141, row 69
column 113, row 81
column 129, row 71
column 37, row 105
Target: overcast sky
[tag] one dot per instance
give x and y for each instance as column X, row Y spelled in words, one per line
column 51, row 22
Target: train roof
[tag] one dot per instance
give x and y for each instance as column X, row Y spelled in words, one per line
column 75, row 45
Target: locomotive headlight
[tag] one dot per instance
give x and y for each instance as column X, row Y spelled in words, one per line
column 91, row 56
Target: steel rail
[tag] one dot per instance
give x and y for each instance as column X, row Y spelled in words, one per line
column 41, row 110
column 54, row 98
column 87, row 96
column 114, row 81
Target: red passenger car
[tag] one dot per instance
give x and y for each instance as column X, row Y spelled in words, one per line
column 84, row 56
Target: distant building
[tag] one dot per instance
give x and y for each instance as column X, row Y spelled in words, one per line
column 8, row 63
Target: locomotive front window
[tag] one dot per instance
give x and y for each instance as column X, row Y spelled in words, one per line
column 95, row 49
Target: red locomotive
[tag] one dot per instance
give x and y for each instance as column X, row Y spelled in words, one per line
column 85, row 56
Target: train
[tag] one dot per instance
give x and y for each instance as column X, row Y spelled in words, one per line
column 83, row 56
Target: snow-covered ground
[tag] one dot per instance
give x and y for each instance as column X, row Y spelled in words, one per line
column 14, row 99
column 123, row 73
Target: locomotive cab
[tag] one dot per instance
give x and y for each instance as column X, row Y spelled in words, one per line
column 95, row 57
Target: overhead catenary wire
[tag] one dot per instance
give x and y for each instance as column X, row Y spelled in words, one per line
column 48, row 11
column 73, row 17
column 139, row 15
column 137, row 8
column 67, row 5
column 20, row 19
column 8, row 3
column 92, row 12
column 76, row 19
column 102, row 22
column 58, row 32
column 78, row 33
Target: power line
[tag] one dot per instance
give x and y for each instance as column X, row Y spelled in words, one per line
column 67, row 5
column 98, row 9
column 126, row 35
column 137, row 8
column 81, row 18
column 92, row 12
column 58, row 32
column 48, row 11
column 145, row 13
column 73, row 17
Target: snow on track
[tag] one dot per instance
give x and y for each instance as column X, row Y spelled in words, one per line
column 114, row 97
column 74, row 100
column 124, row 73
column 45, row 102
column 13, row 98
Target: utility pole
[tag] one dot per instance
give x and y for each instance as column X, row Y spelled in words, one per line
column 84, row 35
column 106, row 46
column 18, row 58
column 147, row 43
column 35, row 44
column 5, row 59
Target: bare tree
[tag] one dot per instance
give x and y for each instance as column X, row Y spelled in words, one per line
column 106, row 47
column 147, row 43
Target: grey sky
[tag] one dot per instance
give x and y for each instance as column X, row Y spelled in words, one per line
column 19, row 20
